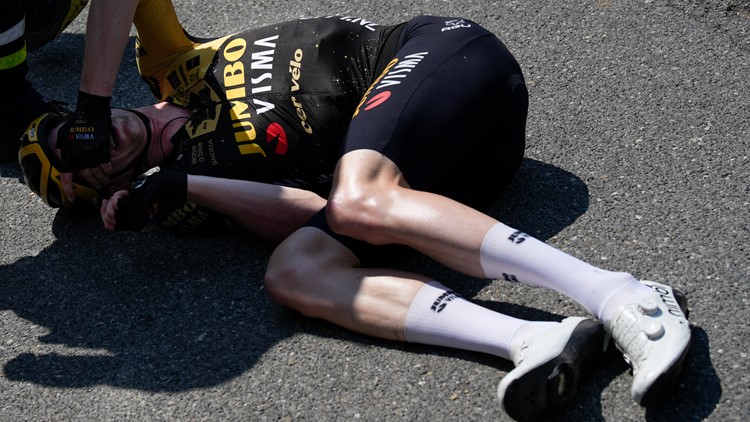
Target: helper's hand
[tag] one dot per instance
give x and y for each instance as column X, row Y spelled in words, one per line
column 130, row 210
column 84, row 139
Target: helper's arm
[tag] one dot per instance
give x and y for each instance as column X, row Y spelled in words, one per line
column 107, row 32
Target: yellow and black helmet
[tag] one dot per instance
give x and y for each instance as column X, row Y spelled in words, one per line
column 40, row 164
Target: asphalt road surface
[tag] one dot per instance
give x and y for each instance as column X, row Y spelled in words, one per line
column 637, row 160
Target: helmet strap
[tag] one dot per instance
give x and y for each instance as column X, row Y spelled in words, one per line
column 141, row 162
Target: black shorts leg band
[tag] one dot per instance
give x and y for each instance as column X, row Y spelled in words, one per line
column 369, row 255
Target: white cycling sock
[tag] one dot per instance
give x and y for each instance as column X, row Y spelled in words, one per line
column 512, row 255
column 440, row 317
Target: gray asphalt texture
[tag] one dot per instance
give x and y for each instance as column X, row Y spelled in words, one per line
column 637, row 160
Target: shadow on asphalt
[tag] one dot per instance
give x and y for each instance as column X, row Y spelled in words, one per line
column 153, row 312
column 55, row 71
column 699, row 389
column 542, row 200
column 140, row 311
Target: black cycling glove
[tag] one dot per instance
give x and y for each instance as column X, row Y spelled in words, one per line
column 84, row 139
column 162, row 191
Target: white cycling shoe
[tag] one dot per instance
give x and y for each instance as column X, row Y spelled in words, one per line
column 654, row 337
column 548, row 368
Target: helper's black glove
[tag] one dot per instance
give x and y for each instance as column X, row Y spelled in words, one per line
column 163, row 191
column 84, row 138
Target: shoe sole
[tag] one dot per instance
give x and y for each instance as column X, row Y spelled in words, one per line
column 549, row 387
column 682, row 302
column 666, row 382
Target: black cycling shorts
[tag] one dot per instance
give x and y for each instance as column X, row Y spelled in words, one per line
column 449, row 110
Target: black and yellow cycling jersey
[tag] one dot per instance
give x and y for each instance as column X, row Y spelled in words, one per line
column 271, row 104
column 441, row 97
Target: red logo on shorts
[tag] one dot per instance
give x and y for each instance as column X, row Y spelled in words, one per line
column 377, row 100
column 276, row 132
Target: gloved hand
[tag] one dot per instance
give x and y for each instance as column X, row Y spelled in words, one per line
column 84, row 139
column 164, row 190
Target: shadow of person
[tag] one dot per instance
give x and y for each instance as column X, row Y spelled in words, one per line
column 55, row 71
column 542, row 200
column 144, row 311
column 154, row 312
column 699, row 389
column 147, row 310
